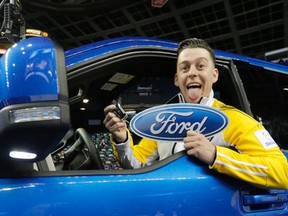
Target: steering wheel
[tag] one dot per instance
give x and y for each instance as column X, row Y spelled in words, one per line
column 83, row 154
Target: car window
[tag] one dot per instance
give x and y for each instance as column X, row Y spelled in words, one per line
column 267, row 92
column 151, row 83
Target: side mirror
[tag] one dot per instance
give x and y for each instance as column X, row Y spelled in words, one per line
column 34, row 110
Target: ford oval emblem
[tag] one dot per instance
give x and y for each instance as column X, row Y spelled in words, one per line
column 172, row 121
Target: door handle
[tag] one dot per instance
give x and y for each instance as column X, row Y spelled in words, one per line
column 249, row 200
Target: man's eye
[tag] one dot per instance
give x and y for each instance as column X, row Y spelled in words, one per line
column 184, row 68
column 201, row 66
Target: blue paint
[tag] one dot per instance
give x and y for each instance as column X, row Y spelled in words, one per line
column 28, row 72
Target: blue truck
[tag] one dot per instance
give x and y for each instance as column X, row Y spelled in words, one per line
column 56, row 156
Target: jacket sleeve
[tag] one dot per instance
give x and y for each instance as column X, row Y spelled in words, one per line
column 133, row 156
column 258, row 160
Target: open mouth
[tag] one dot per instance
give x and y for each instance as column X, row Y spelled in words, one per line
column 194, row 91
column 193, row 86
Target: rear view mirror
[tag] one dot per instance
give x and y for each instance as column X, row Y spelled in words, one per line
column 34, row 110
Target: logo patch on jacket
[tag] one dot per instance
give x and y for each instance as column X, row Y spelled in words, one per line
column 172, row 121
column 265, row 139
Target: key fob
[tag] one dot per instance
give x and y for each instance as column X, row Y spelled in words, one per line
column 119, row 111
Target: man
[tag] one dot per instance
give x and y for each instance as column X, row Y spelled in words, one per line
column 244, row 150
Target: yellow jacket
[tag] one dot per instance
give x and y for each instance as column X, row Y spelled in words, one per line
column 255, row 156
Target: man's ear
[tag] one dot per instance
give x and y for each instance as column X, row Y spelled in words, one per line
column 176, row 80
column 215, row 75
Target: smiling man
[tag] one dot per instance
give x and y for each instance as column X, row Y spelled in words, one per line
column 196, row 72
column 244, row 150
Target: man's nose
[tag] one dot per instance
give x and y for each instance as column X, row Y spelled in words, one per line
column 192, row 72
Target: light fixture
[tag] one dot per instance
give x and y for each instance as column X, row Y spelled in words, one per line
column 109, row 86
column 85, row 100
column 121, row 78
column 34, row 114
column 22, row 155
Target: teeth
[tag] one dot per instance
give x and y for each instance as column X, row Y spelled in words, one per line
column 194, row 85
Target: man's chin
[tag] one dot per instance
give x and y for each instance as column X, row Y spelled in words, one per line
column 195, row 101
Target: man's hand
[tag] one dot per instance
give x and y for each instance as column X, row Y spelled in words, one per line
column 114, row 124
column 199, row 146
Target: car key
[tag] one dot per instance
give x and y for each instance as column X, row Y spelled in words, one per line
column 119, row 111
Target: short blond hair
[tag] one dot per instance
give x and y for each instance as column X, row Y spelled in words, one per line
column 195, row 43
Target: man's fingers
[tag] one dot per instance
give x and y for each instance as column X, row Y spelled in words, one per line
column 109, row 108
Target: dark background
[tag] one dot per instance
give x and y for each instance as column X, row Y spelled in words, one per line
column 248, row 27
